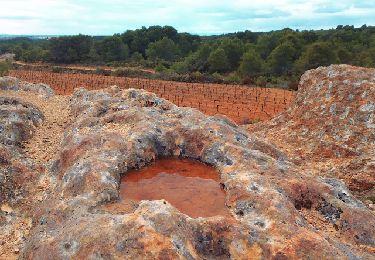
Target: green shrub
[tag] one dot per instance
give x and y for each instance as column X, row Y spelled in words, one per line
column 217, row 76
column 160, row 68
column 261, row 81
column 233, row 78
column 180, row 67
column 56, row 69
column 4, row 68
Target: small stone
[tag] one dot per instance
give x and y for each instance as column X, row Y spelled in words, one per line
column 6, row 208
column 368, row 202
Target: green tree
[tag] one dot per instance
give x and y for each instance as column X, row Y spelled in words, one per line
column 287, row 52
column 282, row 58
column 251, row 64
column 309, row 36
column 139, row 44
column 71, row 55
column 70, row 49
column 187, row 43
column 169, row 32
column 165, row 49
column 113, row 49
column 93, row 55
column 234, row 50
column 317, row 54
column 198, row 61
column 367, row 58
column 4, row 68
column 266, row 43
column 136, row 57
column 180, row 67
column 33, row 54
column 344, row 55
column 218, row 61
column 19, row 52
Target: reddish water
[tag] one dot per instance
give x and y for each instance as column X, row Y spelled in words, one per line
column 190, row 186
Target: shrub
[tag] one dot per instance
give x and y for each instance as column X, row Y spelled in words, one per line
column 4, row 68
column 180, row 67
column 56, row 69
column 160, row 68
column 232, row 78
column 261, row 81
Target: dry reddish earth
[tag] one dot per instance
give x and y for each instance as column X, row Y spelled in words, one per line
column 241, row 104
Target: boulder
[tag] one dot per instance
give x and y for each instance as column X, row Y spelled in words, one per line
column 276, row 210
column 330, row 128
column 19, row 176
column 14, row 84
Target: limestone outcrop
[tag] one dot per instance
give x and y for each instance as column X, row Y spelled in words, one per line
column 330, row 128
column 278, row 210
column 14, row 84
column 18, row 174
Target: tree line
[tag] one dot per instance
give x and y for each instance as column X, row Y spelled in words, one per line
column 262, row 58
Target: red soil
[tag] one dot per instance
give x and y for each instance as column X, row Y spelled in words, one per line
column 240, row 103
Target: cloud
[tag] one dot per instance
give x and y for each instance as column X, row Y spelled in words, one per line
column 17, row 17
column 331, row 9
column 100, row 17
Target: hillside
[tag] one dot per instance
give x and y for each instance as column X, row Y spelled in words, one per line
column 272, row 59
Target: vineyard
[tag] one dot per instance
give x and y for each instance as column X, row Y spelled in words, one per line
column 241, row 104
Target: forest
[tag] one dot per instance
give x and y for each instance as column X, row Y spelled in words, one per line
column 276, row 58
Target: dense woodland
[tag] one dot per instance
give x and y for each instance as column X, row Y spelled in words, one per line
column 262, row 58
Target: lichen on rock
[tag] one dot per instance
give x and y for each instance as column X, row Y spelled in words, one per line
column 277, row 209
column 329, row 129
column 14, row 84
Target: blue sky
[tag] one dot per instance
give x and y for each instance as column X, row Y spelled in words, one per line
column 200, row 17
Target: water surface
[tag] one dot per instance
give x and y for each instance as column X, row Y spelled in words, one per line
column 190, row 186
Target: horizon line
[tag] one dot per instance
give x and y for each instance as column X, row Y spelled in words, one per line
column 198, row 34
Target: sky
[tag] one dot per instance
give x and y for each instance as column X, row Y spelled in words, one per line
column 204, row 17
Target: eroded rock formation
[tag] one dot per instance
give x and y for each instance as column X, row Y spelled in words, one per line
column 18, row 174
column 277, row 210
column 330, row 129
column 14, row 84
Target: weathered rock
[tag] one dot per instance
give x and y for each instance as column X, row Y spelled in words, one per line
column 277, row 211
column 18, row 186
column 14, row 84
column 18, row 120
column 330, row 128
column 19, row 176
